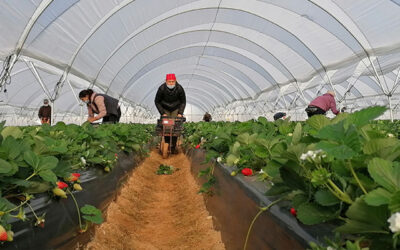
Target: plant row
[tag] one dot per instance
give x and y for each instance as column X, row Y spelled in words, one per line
column 343, row 171
column 45, row 159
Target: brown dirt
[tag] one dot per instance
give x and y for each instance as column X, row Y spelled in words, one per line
column 158, row 212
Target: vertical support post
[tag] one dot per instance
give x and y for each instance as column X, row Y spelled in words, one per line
column 81, row 116
column 390, row 107
column 53, row 106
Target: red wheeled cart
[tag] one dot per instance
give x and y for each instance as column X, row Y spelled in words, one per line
column 170, row 129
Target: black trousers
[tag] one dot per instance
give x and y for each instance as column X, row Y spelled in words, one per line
column 112, row 118
column 312, row 110
column 174, row 140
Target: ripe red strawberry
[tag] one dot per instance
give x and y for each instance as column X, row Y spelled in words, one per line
column 3, row 234
column 247, row 171
column 293, row 212
column 197, row 146
column 76, row 174
column 61, row 184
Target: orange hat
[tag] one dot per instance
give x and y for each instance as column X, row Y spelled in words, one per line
column 170, row 77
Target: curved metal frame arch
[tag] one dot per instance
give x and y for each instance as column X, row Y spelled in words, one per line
column 253, row 86
column 209, row 81
column 127, row 90
column 194, row 31
column 187, row 48
column 211, row 76
column 128, row 2
column 50, row 23
column 38, row 12
column 343, row 26
column 161, row 40
column 232, row 80
column 10, row 98
column 203, row 69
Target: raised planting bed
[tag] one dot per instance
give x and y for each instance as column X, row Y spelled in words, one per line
column 61, row 220
column 236, row 200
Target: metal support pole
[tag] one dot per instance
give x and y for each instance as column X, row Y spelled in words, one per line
column 53, row 106
column 301, row 92
column 390, row 107
column 396, row 82
column 378, row 79
column 73, row 92
column 286, row 105
column 330, row 82
column 81, row 115
column 35, row 73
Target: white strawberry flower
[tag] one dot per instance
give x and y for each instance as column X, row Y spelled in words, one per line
column 83, row 160
column 290, row 134
column 390, row 135
column 313, row 155
column 394, row 221
column 261, row 172
column 219, row 159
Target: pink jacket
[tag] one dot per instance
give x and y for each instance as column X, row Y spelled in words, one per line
column 325, row 102
column 99, row 101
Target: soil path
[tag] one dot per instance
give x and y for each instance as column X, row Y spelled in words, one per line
column 158, row 211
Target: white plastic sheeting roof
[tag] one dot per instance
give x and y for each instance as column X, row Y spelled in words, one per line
column 233, row 57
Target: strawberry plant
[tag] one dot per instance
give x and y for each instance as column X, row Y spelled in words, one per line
column 165, row 170
column 48, row 159
column 342, row 171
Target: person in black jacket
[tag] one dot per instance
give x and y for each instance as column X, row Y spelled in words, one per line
column 171, row 101
column 170, row 98
column 45, row 112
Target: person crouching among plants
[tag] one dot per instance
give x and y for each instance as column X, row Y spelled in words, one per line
column 105, row 107
column 321, row 104
column 280, row 115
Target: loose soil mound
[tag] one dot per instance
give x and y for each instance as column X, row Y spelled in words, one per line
column 158, row 211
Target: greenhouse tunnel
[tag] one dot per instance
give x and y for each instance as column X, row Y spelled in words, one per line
column 236, row 59
column 255, row 161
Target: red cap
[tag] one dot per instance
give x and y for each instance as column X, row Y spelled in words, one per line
column 170, row 77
